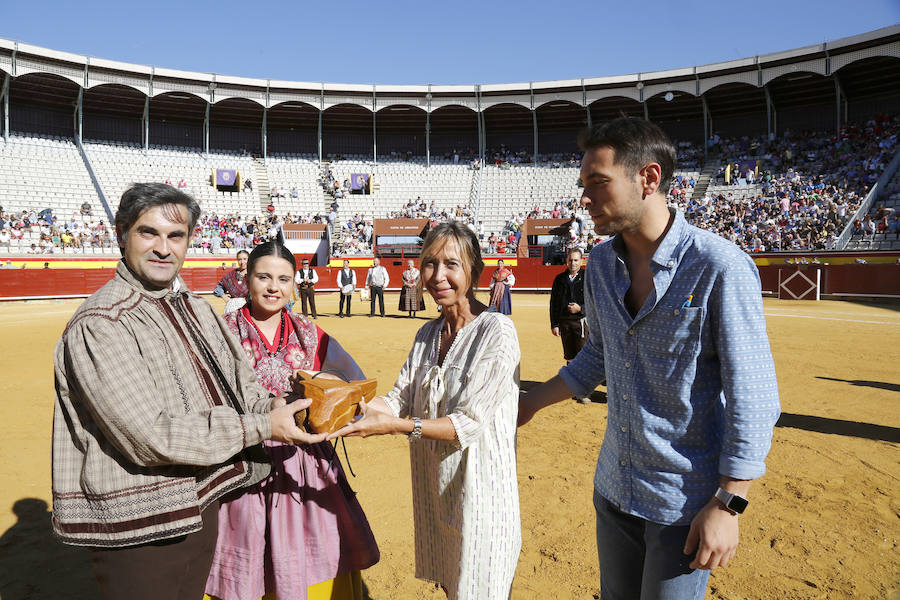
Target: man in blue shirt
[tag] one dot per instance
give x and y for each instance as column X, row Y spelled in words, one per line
column 677, row 329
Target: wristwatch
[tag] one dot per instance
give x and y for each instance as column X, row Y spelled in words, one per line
column 733, row 502
column 416, row 434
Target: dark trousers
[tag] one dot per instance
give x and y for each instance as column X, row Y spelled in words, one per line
column 176, row 568
column 573, row 334
column 345, row 297
column 376, row 291
column 308, row 294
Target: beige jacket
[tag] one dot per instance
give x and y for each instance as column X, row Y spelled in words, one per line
column 155, row 406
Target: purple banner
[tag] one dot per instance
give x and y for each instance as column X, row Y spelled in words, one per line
column 359, row 181
column 225, row 177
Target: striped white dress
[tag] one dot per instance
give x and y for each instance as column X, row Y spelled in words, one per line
column 465, row 494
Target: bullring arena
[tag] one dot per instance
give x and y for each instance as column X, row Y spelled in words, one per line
column 824, row 521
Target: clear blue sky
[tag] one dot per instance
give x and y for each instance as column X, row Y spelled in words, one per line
column 442, row 42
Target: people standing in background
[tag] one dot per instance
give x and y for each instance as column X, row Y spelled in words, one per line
column 501, row 280
column 567, row 318
column 411, row 299
column 346, row 282
column 306, row 280
column 234, row 284
column 376, row 280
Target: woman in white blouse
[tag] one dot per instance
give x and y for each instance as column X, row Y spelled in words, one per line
column 456, row 398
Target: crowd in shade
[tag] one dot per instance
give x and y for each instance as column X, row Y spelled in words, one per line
column 806, row 187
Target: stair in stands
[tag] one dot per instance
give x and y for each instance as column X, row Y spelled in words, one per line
column 327, row 199
column 709, row 170
column 262, row 182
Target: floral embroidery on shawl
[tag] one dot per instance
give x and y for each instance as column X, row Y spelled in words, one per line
column 273, row 371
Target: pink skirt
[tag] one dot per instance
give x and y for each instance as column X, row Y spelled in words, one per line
column 296, row 528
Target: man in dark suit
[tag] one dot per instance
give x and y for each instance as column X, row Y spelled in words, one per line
column 567, row 319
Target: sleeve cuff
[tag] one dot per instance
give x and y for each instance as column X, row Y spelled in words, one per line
column 740, row 468
column 579, row 389
column 393, row 405
column 467, row 431
column 257, row 427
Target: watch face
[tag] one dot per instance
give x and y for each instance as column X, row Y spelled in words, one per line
column 738, row 504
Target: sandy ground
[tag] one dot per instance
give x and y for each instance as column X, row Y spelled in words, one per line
column 824, row 522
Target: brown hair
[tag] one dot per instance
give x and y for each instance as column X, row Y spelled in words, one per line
column 469, row 248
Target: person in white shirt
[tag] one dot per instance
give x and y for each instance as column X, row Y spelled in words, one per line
column 346, row 281
column 306, row 279
column 376, row 280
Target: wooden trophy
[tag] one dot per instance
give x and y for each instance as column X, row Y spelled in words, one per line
column 334, row 401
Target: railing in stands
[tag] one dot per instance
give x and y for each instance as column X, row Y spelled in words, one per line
column 869, row 200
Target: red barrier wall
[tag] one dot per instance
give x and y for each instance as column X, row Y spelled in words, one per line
column 47, row 283
column 847, row 279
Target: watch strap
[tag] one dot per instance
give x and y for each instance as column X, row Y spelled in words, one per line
column 733, row 502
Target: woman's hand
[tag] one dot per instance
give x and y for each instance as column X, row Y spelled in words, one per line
column 374, row 421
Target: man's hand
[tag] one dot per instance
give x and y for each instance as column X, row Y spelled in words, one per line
column 279, row 400
column 714, row 534
column 284, row 427
column 574, row 308
column 555, row 331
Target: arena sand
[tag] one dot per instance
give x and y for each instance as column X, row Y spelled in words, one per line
column 824, row 522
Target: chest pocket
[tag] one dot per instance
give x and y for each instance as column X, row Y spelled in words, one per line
column 671, row 343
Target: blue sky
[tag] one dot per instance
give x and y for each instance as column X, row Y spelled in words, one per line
column 443, row 42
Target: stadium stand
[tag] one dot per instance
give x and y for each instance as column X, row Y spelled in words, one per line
column 118, row 166
column 776, row 118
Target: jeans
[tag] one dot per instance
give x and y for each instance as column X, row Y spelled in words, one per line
column 641, row 560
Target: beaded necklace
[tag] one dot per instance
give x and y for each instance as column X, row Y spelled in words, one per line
column 279, row 334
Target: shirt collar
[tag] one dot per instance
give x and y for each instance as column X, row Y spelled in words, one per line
column 670, row 248
column 123, row 271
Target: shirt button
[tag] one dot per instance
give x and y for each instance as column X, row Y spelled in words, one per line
column 623, row 428
column 671, row 263
column 623, row 462
column 624, row 396
column 627, row 365
column 676, row 311
column 631, row 332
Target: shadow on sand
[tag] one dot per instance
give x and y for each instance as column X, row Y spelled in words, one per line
column 34, row 565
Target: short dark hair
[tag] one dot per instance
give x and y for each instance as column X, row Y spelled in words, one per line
column 141, row 196
column 635, row 143
column 270, row 248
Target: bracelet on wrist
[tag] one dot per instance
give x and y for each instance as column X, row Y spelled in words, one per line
column 416, row 433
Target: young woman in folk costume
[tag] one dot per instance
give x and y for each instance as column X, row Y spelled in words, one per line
column 501, row 281
column 411, row 299
column 300, row 533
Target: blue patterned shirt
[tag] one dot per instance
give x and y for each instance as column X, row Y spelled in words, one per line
column 691, row 382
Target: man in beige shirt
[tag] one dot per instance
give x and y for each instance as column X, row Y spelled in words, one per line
column 158, row 413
